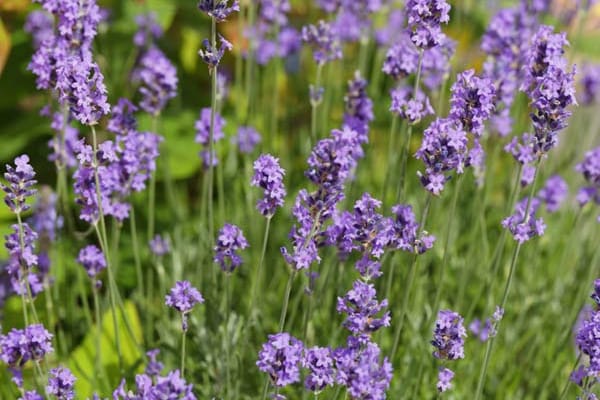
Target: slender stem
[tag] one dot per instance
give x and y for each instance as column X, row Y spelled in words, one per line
column 411, row 279
column 213, row 111
column 98, row 332
column 266, row 389
column 286, row 300
column 391, row 155
column 183, row 336
column 258, row 274
column 314, row 104
column 227, row 319
column 136, row 251
column 152, row 189
column 513, row 264
column 563, row 393
column 404, row 157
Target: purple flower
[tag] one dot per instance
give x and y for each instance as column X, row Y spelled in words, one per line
column 154, row 367
column 20, row 184
column 171, row 386
column 268, row 175
column 247, row 139
column 472, row 101
column 41, row 27
column 281, row 358
column 19, row 346
column 484, row 331
column 203, row 135
column 407, row 235
column 590, row 169
column 183, row 297
column 590, row 85
column 23, row 260
column 361, row 371
column 218, row 9
column 358, row 111
column 443, row 149
column 31, row 395
column 319, row 362
column 229, row 240
column 402, row 59
column 523, row 150
column 212, row 55
column 361, row 306
column 325, row 45
column 63, row 147
column 435, row 67
column 523, row 224
column 588, row 342
column 448, row 336
column 159, row 246
column 92, row 259
column 546, row 50
column 445, row 377
column 157, row 78
column 389, row 33
column 122, row 120
column 424, row 20
column 45, row 219
column 554, row 193
column 60, row 384
column 148, row 30
column 409, row 107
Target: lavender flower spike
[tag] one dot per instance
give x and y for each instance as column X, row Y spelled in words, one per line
column 448, row 336
column 60, row 384
column 268, row 175
column 424, row 20
column 472, row 101
column 281, row 357
column 230, row 239
column 158, row 80
column 92, row 259
column 218, row 9
column 325, row 45
column 183, row 297
column 20, row 182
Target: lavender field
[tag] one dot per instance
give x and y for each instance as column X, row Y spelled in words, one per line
column 289, row 199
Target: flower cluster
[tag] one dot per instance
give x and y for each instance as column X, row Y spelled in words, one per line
column 218, row 9
column 443, row 149
column 19, row 346
column 159, row 246
column 321, row 37
column 212, row 55
column 319, row 362
column 361, row 307
column 183, row 297
column 229, row 240
column 203, row 135
column 409, row 106
column 268, row 175
column 170, row 386
column 590, row 169
column 281, row 358
column 554, row 193
column 485, row 330
column 523, row 224
column 148, row 30
column 247, row 139
column 424, row 20
column 449, row 343
column 92, row 260
column 61, row 383
column 358, row 112
column 472, row 101
column 407, row 235
column 157, row 79
column 64, row 142
column 590, row 85
column 20, row 180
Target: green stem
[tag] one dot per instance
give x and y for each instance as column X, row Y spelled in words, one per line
column 411, row 279
column 258, row 274
column 227, row 319
column 314, row 104
column 213, row 111
column 136, row 251
column 513, row 264
column 183, row 335
column 98, row 333
column 563, row 393
column 286, row 300
column 391, row 156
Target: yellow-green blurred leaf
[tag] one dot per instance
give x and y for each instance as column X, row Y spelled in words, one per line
column 188, row 53
column 4, row 45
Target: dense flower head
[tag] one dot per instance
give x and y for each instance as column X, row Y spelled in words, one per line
column 445, row 377
column 588, row 342
column 63, row 147
column 45, row 219
column 590, row 169
column 319, row 362
column 61, row 383
column 159, row 246
column 522, row 150
column 590, row 85
column 40, row 25
column 436, row 65
column 154, row 367
column 157, row 79
column 230, row 239
column 122, row 120
column 321, row 37
column 247, row 139
column 23, row 260
column 443, row 149
column 402, row 59
column 20, row 179
column 408, row 106
column 407, row 235
column 487, row 329
column 80, row 85
column 358, row 112
column 472, row 101
column 183, row 297
column 523, row 224
column 554, row 193
column 19, row 346
column 268, row 175
column 31, row 395
column 361, row 307
column 92, row 259
column 361, row 371
column 448, row 336
column 218, row 9
column 281, row 357
column 170, row 386
column 148, row 30
column 203, row 125
column 275, row 11
column 212, row 55
column 546, row 50
column 424, row 20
